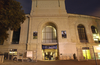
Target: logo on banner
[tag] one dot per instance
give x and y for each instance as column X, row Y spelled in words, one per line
column 49, row 47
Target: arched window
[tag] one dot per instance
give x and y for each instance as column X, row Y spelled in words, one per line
column 16, row 36
column 49, row 34
column 82, row 33
column 94, row 29
column 95, row 34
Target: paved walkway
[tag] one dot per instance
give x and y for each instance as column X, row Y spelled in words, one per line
column 64, row 62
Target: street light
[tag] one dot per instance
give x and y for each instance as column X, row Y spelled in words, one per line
column 94, row 55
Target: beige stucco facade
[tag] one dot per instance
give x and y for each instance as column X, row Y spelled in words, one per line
column 53, row 13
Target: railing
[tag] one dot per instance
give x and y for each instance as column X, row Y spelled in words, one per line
column 49, row 41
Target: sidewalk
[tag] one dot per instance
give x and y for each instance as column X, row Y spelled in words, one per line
column 59, row 62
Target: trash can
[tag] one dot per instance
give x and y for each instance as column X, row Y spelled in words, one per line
column 1, row 58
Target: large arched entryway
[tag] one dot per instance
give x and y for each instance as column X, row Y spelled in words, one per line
column 49, row 42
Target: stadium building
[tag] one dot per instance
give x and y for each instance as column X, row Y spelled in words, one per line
column 53, row 34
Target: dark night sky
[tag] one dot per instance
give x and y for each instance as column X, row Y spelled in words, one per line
column 85, row 7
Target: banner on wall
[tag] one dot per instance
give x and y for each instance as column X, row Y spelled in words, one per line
column 49, row 46
column 35, row 35
column 63, row 34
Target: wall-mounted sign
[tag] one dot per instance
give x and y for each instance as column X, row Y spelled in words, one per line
column 29, row 54
column 63, row 34
column 35, row 35
column 49, row 46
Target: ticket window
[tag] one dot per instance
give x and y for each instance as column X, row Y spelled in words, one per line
column 86, row 54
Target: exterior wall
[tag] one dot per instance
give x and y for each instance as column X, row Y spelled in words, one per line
column 87, row 21
column 72, row 41
column 39, row 17
column 21, row 47
column 66, row 47
column 48, row 8
column 37, row 24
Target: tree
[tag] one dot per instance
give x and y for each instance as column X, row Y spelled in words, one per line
column 11, row 17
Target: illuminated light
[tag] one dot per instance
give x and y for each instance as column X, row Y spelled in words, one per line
column 98, row 45
column 51, row 53
column 46, row 53
column 95, row 39
column 98, row 54
column 97, row 36
column 12, row 52
column 94, row 34
column 86, row 54
column 83, row 50
column 43, row 54
column 98, row 48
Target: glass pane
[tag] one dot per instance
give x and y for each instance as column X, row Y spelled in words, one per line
column 16, row 36
column 43, row 36
column 49, row 35
column 82, row 33
column 86, row 54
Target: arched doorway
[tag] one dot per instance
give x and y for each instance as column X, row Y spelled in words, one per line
column 49, row 42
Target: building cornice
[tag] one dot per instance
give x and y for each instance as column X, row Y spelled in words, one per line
column 82, row 16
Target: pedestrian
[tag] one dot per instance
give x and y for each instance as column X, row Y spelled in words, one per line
column 74, row 56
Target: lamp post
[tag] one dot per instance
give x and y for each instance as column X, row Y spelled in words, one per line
column 94, row 55
column 36, row 52
column 86, row 51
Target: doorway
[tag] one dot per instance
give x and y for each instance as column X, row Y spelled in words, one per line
column 49, row 54
column 86, row 54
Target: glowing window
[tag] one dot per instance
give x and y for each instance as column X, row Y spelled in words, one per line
column 95, row 34
column 86, row 54
column 94, row 29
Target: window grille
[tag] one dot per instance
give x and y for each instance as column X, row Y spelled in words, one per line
column 49, row 35
column 82, row 33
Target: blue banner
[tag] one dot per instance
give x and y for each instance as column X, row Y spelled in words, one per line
column 49, row 46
